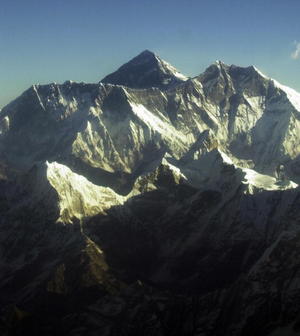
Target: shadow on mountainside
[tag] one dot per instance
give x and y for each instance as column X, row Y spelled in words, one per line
column 162, row 253
column 191, row 241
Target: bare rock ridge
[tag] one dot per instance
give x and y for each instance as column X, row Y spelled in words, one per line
column 151, row 204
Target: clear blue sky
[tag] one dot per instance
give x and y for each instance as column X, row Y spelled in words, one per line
column 46, row 41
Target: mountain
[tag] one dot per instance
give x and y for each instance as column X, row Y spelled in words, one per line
column 151, row 204
column 145, row 71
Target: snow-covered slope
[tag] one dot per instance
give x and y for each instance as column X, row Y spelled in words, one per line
column 170, row 182
column 114, row 128
column 79, row 198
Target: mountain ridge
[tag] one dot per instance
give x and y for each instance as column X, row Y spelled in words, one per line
column 145, row 201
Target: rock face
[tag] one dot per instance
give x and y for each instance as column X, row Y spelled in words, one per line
column 151, row 204
column 145, row 71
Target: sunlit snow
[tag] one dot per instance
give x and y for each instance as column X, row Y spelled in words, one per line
column 292, row 94
column 78, row 197
column 266, row 182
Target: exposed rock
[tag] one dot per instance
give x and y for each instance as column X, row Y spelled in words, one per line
column 151, row 204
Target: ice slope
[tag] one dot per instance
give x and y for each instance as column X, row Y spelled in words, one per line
column 78, row 197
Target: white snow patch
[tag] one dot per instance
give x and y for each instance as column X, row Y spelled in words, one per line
column 258, row 180
column 265, row 182
column 258, row 71
column 173, row 70
column 4, row 125
column 38, row 96
column 78, row 197
column 226, row 158
column 155, row 123
column 175, row 169
column 292, row 94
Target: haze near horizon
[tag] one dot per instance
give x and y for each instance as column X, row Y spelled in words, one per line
column 61, row 40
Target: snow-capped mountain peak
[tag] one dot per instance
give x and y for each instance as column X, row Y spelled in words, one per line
column 292, row 95
column 167, row 182
column 144, row 71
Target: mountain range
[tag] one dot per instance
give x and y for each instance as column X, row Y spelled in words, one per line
column 151, row 203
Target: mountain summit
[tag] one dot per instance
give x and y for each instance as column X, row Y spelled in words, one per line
column 141, row 211
column 144, row 71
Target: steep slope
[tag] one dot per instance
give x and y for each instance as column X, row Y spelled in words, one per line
column 91, row 123
column 115, row 193
column 79, row 198
column 144, row 71
column 261, row 121
column 49, row 268
column 251, row 118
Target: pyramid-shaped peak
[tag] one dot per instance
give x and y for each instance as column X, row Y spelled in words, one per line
column 145, row 56
column 144, row 71
column 147, row 52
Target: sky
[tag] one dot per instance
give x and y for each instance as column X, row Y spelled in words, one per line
column 43, row 41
